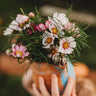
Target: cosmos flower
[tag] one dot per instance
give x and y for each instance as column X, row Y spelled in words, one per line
column 53, row 30
column 71, row 27
column 42, row 27
column 19, row 51
column 48, row 39
column 60, row 18
column 54, row 54
column 14, row 26
column 21, row 19
column 8, row 31
column 67, row 45
column 47, row 24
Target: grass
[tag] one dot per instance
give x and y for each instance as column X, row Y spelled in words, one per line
column 11, row 86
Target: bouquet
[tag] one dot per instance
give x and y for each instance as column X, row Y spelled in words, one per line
column 54, row 40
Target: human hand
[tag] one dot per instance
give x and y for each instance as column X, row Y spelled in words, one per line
column 69, row 90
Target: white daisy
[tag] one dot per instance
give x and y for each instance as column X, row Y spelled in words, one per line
column 48, row 39
column 67, row 45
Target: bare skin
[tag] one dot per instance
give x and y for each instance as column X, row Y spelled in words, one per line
column 31, row 87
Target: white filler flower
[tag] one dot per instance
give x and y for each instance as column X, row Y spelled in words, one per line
column 67, row 45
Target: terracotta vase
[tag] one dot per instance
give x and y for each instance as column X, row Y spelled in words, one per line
column 45, row 70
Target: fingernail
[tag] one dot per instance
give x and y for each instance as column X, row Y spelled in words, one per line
column 40, row 78
column 70, row 78
column 33, row 85
column 53, row 75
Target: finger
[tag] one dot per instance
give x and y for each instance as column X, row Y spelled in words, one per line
column 54, row 85
column 69, row 87
column 43, row 88
column 35, row 90
column 73, row 92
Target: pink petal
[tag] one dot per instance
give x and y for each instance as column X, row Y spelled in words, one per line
column 13, row 49
column 30, row 31
column 68, row 25
column 38, row 28
column 13, row 54
column 47, row 23
column 17, row 48
column 78, row 36
column 23, row 48
column 18, row 55
column 26, row 54
column 42, row 26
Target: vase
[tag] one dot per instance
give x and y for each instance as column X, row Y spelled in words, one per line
column 45, row 70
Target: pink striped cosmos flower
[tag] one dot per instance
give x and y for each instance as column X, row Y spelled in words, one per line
column 19, row 51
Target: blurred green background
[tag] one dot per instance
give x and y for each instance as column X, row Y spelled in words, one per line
column 11, row 85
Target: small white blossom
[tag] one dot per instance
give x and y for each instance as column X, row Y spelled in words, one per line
column 31, row 14
column 8, row 52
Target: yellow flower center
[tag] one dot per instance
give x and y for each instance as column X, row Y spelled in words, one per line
column 21, row 25
column 65, row 45
column 54, row 31
column 19, row 52
column 49, row 40
column 53, row 51
column 72, row 29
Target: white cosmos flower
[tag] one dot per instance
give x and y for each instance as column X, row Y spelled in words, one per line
column 53, row 30
column 21, row 19
column 67, row 45
column 48, row 39
column 60, row 18
column 15, row 26
column 54, row 54
column 8, row 31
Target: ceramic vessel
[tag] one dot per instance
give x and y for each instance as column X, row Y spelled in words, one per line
column 45, row 70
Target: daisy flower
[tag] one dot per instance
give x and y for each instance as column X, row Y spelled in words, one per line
column 67, row 45
column 19, row 51
column 48, row 39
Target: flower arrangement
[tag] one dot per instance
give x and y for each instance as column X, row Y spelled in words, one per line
column 39, row 39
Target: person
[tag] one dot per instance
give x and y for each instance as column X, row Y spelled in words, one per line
column 31, row 87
